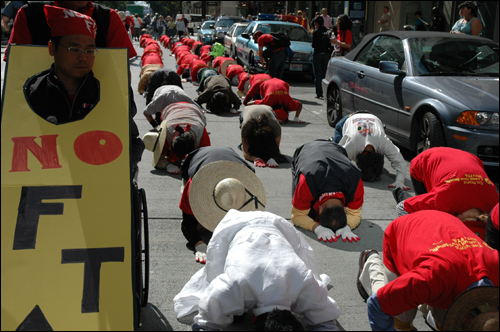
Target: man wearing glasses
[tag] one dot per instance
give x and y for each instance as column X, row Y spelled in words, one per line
column 68, row 91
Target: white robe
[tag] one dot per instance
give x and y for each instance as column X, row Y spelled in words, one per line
column 257, row 260
column 363, row 129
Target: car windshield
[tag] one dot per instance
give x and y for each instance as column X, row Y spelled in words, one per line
column 295, row 31
column 207, row 24
column 450, row 56
column 225, row 23
column 239, row 30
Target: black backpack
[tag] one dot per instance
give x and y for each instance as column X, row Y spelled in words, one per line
column 280, row 40
column 40, row 31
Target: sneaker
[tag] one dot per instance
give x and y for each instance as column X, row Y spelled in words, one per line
column 362, row 260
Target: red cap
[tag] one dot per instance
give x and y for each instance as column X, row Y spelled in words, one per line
column 63, row 22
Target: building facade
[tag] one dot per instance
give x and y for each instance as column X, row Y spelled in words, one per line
column 365, row 14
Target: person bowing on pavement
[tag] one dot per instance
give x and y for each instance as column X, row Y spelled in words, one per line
column 327, row 191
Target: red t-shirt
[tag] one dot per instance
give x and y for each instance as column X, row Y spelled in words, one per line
column 302, row 197
column 494, row 216
column 196, row 43
column 233, row 70
column 242, row 79
column 455, row 181
column 181, row 49
column 117, row 34
column 177, row 44
column 196, row 65
column 346, row 37
column 190, row 43
column 275, row 92
column 151, row 58
column 205, row 49
column 181, row 69
column 185, row 59
column 436, row 258
column 184, row 203
column 255, row 83
column 266, row 40
column 206, row 57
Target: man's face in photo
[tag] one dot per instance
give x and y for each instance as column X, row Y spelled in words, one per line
column 69, row 64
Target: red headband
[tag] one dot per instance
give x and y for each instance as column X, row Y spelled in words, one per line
column 63, row 22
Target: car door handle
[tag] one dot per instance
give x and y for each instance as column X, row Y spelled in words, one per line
column 361, row 74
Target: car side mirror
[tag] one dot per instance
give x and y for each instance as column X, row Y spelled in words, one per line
column 390, row 67
column 245, row 35
column 198, row 26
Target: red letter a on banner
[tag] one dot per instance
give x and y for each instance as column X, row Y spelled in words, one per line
column 46, row 154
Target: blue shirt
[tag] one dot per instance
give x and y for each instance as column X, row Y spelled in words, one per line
column 12, row 8
column 463, row 27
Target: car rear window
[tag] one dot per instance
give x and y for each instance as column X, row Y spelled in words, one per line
column 224, row 23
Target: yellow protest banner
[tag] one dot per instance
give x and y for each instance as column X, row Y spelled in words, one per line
column 66, row 214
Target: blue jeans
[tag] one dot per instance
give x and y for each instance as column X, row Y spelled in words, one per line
column 276, row 66
column 337, row 136
column 320, row 63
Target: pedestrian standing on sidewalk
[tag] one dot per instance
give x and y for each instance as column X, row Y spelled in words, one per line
column 321, row 46
column 171, row 26
column 181, row 26
column 469, row 24
column 137, row 27
column 160, row 27
column 343, row 43
column 385, row 20
column 327, row 20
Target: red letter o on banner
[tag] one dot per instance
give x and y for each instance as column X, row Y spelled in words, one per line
column 97, row 147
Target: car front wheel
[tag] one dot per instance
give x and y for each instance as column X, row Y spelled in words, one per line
column 333, row 106
column 430, row 134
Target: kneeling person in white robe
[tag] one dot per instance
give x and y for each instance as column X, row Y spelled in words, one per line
column 257, row 260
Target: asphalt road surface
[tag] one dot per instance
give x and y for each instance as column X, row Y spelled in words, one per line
column 172, row 264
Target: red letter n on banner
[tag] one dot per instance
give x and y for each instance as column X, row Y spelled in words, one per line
column 46, row 154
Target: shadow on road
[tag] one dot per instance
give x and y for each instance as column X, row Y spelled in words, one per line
column 153, row 320
column 371, row 236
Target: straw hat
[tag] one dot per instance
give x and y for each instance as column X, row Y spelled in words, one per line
column 223, row 185
column 247, row 86
column 473, row 310
column 155, row 141
column 226, row 64
column 122, row 15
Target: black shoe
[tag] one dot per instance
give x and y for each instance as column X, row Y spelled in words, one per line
column 362, row 259
column 398, row 195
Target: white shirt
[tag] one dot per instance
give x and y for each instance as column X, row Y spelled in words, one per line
column 164, row 96
column 361, row 130
column 257, row 260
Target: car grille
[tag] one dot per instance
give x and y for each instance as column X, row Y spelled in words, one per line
column 301, row 56
column 488, row 153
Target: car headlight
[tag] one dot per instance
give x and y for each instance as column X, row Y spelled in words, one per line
column 475, row 118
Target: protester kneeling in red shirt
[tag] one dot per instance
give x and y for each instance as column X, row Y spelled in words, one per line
column 448, row 180
column 275, row 93
column 429, row 257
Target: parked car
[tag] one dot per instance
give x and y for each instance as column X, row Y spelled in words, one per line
column 234, row 31
column 206, row 32
column 247, row 50
column 428, row 88
column 222, row 25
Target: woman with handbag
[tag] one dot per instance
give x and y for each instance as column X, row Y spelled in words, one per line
column 343, row 42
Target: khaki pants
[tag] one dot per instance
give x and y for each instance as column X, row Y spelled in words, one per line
column 375, row 275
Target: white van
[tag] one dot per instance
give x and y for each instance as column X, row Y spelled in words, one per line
column 194, row 21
